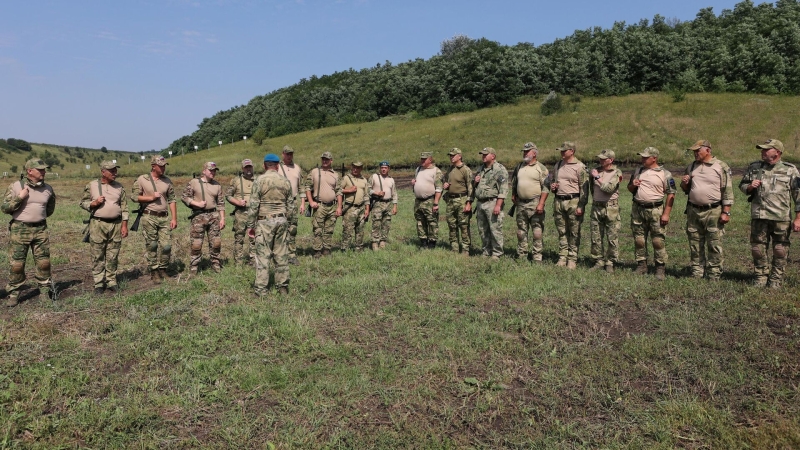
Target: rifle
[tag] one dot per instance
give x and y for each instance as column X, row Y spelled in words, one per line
column 198, row 211
column 689, row 186
column 309, row 212
column 241, row 188
column 91, row 212
column 514, row 191
column 135, row 226
column 755, row 191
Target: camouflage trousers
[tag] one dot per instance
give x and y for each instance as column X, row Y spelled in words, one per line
column 647, row 222
column 763, row 231
column 529, row 226
column 427, row 220
column 323, row 223
column 271, row 249
column 458, row 224
column 490, row 228
column 568, row 225
column 292, row 216
column 205, row 224
column 239, row 236
column 353, row 222
column 705, row 241
column 20, row 239
column 105, row 239
column 158, row 241
column 605, row 223
column 381, row 220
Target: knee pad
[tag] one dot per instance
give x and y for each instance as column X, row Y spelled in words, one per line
column 18, row 267
column 152, row 246
column 780, row 251
column 166, row 249
column 197, row 245
column 521, row 235
column 638, row 241
column 537, row 234
column 658, row 243
column 756, row 252
column 293, row 230
column 216, row 244
column 43, row 265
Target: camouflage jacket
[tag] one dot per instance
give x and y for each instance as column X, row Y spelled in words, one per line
column 780, row 184
column 271, row 194
column 239, row 188
column 493, row 183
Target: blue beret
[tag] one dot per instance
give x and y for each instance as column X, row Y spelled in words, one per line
column 272, row 158
column 384, row 163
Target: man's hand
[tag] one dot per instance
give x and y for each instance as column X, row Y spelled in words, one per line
column 664, row 219
column 496, row 210
column 637, row 182
column 394, row 210
column 468, row 207
column 595, row 173
column 99, row 201
column 339, row 211
column 200, row 204
column 754, row 185
column 724, row 218
column 23, row 194
column 446, row 186
column 251, row 233
column 173, row 223
column 578, row 212
column 221, row 223
column 124, row 230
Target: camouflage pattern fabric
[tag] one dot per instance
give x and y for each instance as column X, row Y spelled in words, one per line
column 205, row 224
column 761, row 233
column 647, row 222
column 158, row 241
column 381, row 220
column 490, row 227
column 568, row 225
column 292, row 216
column 530, row 226
column 239, row 236
column 21, row 238
column 605, row 223
column 705, row 241
column 271, row 236
column 323, row 223
column 353, row 224
column 458, row 223
column 427, row 220
column 105, row 240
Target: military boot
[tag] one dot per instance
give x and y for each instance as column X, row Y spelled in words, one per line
column 641, row 268
column 155, row 276
column 13, row 299
column 375, row 246
column 326, row 252
column 610, row 267
column 431, row 244
column 293, row 261
column 760, row 281
column 383, row 244
column 317, row 254
column 46, row 294
column 599, row 264
column 423, row 243
column 661, row 274
column 283, row 290
column 572, row 265
column 163, row 274
column 562, row 262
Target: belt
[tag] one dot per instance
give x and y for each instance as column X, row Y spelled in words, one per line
column 456, row 195
column 382, row 200
column 42, row 223
column 487, row 199
column 706, row 207
column 567, row 196
column 426, row 198
column 608, row 203
column 523, row 201
column 103, row 219
column 327, row 203
column 649, row 205
column 271, row 216
column 155, row 213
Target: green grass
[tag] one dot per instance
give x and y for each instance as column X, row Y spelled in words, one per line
column 404, row 348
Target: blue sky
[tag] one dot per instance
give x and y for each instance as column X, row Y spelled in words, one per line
column 136, row 75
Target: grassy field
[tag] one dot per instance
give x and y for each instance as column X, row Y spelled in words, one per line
column 403, row 348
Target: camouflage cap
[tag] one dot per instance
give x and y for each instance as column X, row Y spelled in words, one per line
column 210, row 166
column 272, row 158
column 246, row 162
column 426, row 155
column 607, row 154
column 454, row 151
column 699, row 144
column 327, row 155
column 529, row 146
column 487, row 151
column 384, row 164
column 35, row 163
column 108, row 165
column 567, row 146
column 158, row 160
column 357, row 164
column 648, row 152
column 772, row 143
column 287, row 149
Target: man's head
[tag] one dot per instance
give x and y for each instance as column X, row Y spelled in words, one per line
column 384, row 168
column 488, row 155
column 36, row 169
column 455, row 155
column 649, row 157
column 567, row 150
column 356, row 167
column 606, row 158
column 425, row 159
column 327, row 159
column 702, row 150
column 529, row 152
column 158, row 164
column 271, row 161
column 210, row 170
column 288, row 154
column 247, row 168
column 108, row 170
column 771, row 151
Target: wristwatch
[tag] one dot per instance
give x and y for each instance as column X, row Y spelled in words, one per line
column 727, row 213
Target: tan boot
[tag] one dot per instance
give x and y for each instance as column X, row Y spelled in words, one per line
column 641, row 268
column 13, row 299
column 661, row 274
column 610, row 267
column 383, row 244
column 375, row 246
column 155, row 276
column 163, row 274
column 283, row 290
column 572, row 265
column 562, row 262
column 599, row 264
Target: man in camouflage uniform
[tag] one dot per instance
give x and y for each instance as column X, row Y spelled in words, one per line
column 605, row 220
column 490, row 191
column 427, row 186
column 322, row 191
column 772, row 185
column 353, row 201
column 29, row 202
column 529, row 191
column 570, row 185
column 238, row 194
column 708, row 184
column 650, row 185
column 384, row 194
column 160, row 215
column 107, row 202
column 268, row 225
column 458, row 184
column 294, row 173
column 205, row 198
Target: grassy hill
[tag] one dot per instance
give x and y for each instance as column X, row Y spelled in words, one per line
column 733, row 123
column 72, row 160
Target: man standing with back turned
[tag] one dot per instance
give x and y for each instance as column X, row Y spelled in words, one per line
column 772, row 185
column 708, row 183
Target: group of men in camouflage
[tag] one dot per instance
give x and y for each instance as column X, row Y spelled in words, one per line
column 266, row 211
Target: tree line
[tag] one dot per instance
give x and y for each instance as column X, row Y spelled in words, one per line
column 747, row 49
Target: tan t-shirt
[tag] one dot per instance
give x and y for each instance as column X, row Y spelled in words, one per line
column 210, row 191
column 531, row 181
column 116, row 204
column 326, row 192
column 357, row 198
column 143, row 186
column 708, row 184
column 385, row 184
column 429, row 181
column 294, row 174
column 655, row 184
column 34, row 208
column 609, row 179
column 569, row 177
